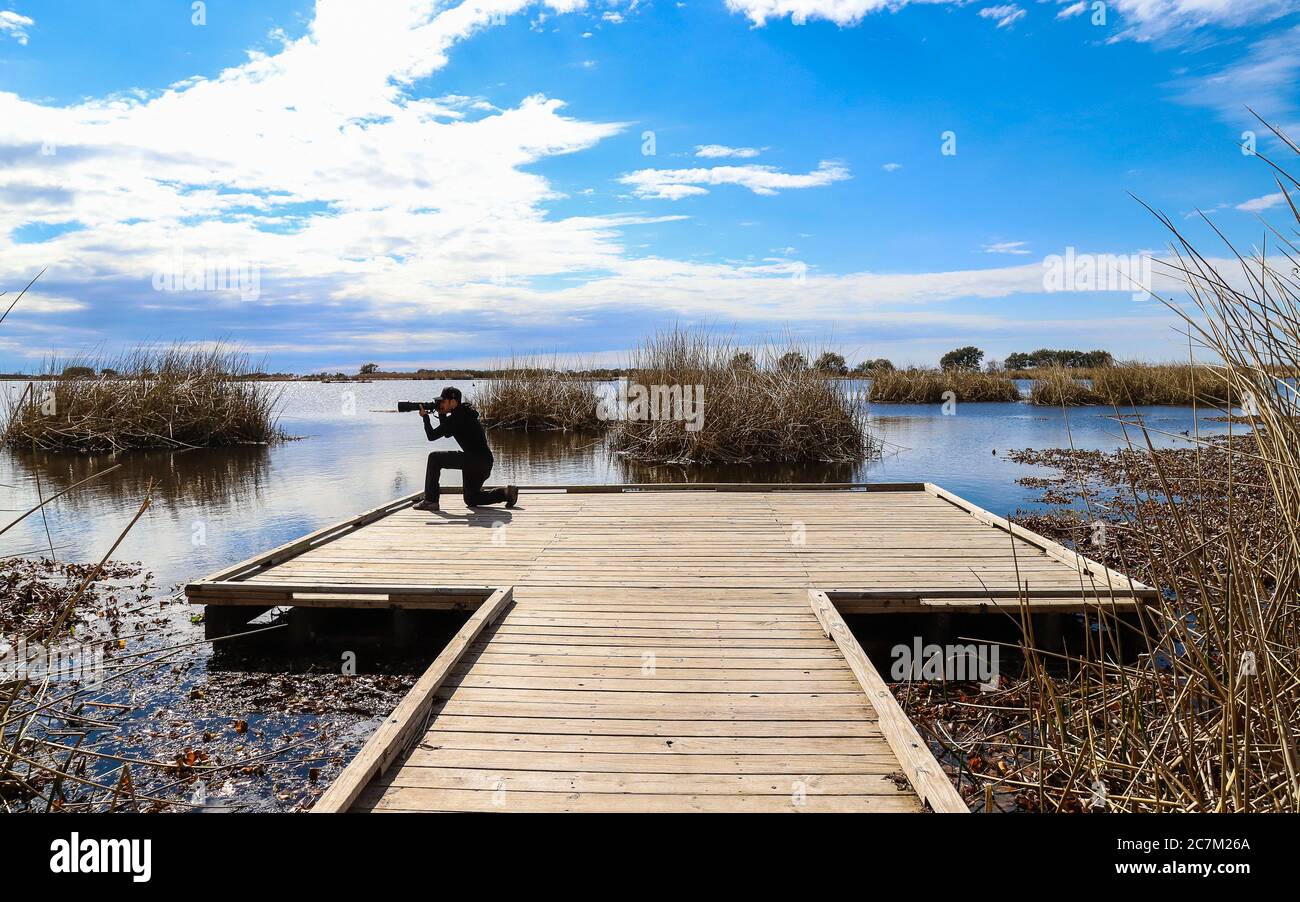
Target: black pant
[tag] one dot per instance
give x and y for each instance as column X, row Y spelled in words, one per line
column 474, row 472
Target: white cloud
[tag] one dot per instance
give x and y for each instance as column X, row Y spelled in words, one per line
column 1006, row 247
column 1006, row 15
column 1141, row 20
column 403, row 196
column 674, row 184
column 15, row 25
column 892, row 167
column 722, row 150
column 1259, row 204
column 1074, row 9
column 1264, row 78
column 42, row 303
column 841, row 12
column 1146, row 20
column 767, row 291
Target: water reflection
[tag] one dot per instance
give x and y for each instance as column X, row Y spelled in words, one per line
column 639, row 471
column 215, row 476
column 544, row 451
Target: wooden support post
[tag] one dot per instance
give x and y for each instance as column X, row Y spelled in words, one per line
column 304, row 625
column 404, row 627
column 1048, row 632
column 226, row 620
column 942, row 626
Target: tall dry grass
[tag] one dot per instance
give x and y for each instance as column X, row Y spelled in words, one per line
column 1172, row 385
column 1059, row 387
column 1134, row 384
column 918, row 386
column 765, row 412
column 530, row 394
column 172, row 397
column 1207, row 717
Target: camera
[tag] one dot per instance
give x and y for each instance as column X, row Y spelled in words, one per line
column 408, row 406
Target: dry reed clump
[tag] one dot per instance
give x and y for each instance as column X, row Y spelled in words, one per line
column 1133, row 384
column 530, row 395
column 724, row 407
column 149, row 398
column 917, row 386
column 1204, row 717
column 1172, row 385
column 1058, row 387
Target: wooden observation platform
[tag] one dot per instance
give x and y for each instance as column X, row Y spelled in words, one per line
column 660, row 647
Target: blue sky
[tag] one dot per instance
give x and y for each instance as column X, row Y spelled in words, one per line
column 423, row 184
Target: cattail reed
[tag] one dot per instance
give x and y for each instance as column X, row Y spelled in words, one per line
column 149, row 398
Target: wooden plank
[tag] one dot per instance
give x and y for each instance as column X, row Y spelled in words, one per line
column 339, row 594
column 923, row 771
column 757, row 719
column 407, row 720
column 483, row 720
column 676, row 746
column 881, row 761
column 634, row 487
column 1037, row 604
column 725, row 683
column 650, row 784
column 506, row 800
column 936, row 594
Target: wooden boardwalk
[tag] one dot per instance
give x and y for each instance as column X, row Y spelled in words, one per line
column 660, row 649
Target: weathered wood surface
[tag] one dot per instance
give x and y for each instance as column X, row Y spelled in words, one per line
column 661, row 652
column 683, row 700
column 909, row 546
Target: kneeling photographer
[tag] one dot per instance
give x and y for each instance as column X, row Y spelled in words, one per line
column 474, row 460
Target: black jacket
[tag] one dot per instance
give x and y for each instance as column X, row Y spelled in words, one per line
column 461, row 424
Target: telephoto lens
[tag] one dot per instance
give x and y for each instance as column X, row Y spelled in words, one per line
column 408, row 406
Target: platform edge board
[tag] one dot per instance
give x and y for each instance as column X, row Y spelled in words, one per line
column 918, row 762
column 397, row 595
column 636, row 487
column 855, row 603
column 409, row 719
column 1115, row 581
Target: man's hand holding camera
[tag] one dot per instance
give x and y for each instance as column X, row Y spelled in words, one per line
column 437, row 408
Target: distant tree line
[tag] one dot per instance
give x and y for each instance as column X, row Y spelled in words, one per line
column 964, row 359
column 1045, row 357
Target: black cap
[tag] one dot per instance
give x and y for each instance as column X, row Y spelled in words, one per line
column 450, row 393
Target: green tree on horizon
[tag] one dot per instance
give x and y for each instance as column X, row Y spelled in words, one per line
column 792, row 361
column 831, row 363
column 966, row 359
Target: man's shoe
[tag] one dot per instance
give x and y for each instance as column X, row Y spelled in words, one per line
column 425, row 506
column 512, row 495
